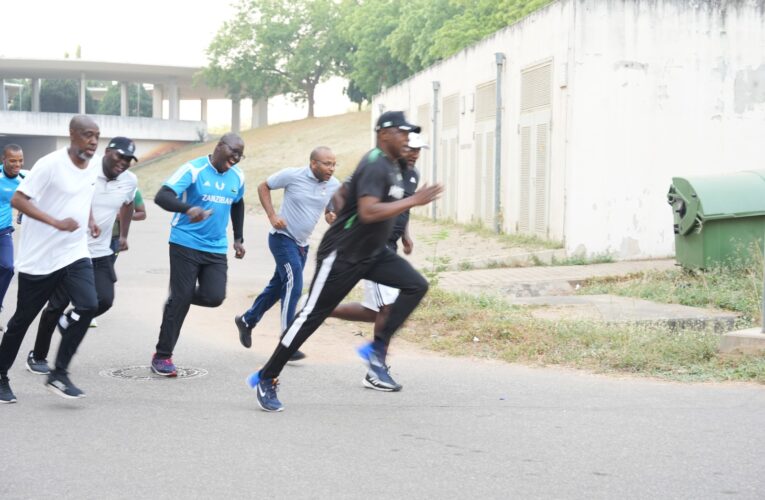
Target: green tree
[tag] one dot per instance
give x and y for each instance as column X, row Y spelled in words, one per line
column 57, row 96
column 355, row 94
column 365, row 26
column 277, row 46
column 392, row 39
column 476, row 20
column 139, row 101
column 411, row 40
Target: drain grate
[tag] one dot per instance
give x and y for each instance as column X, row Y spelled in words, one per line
column 143, row 372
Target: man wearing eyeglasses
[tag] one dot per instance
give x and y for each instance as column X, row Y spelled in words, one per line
column 307, row 192
column 203, row 193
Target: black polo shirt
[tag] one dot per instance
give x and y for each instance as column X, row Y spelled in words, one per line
column 378, row 176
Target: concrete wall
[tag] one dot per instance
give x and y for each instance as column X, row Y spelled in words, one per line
column 640, row 91
column 41, row 133
column 659, row 89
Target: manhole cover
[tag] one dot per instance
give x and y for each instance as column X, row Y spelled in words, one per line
column 144, row 373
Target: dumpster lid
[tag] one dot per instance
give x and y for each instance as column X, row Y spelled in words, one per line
column 736, row 194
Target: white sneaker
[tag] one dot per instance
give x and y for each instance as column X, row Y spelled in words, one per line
column 93, row 323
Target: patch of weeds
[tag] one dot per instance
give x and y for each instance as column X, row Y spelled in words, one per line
column 582, row 259
column 737, row 289
column 438, row 263
column 511, row 240
column 487, row 326
column 465, row 265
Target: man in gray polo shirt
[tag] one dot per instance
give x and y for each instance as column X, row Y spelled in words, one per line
column 307, row 192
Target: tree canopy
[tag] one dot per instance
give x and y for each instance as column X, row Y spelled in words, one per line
column 289, row 46
column 277, row 46
column 139, row 101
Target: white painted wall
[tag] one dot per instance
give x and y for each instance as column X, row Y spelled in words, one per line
column 659, row 89
column 641, row 91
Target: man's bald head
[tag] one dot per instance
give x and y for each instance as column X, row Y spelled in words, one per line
column 81, row 122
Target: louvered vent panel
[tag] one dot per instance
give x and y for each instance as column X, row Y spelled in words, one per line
column 524, row 223
column 535, row 87
column 451, row 112
column 486, row 101
column 540, row 189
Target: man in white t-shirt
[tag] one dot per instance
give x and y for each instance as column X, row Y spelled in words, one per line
column 53, row 251
column 114, row 194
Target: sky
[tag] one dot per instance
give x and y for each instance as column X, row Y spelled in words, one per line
column 172, row 32
column 137, row 31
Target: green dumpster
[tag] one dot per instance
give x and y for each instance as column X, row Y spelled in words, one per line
column 718, row 220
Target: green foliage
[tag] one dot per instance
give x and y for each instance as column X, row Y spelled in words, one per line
column 277, row 46
column 138, row 97
column 476, row 20
column 735, row 289
column 393, row 39
column 56, row 96
column 438, row 263
column 365, row 26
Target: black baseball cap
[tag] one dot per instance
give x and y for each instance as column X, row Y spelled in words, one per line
column 124, row 146
column 395, row 119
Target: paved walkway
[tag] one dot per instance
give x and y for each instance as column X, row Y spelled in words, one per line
column 462, row 427
column 540, row 280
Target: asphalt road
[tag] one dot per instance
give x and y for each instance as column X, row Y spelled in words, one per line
column 461, row 428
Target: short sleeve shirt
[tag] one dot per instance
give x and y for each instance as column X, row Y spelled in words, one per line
column 305, row 198
column 199, row 184
column 411, row 180
column 109, row 197
column 8, row 186
column 58, row 187
column 377, row 176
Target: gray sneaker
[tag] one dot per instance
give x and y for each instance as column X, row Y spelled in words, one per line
column 6, row 394
column 378, row 376
column 60, row 385
column 37, row 366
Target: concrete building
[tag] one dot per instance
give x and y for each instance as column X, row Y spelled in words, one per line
column 571, row 123
column 39, row 133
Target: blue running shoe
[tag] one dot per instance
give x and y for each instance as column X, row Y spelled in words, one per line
column 266, row 393
column 253, row 379
column 364, row 351
column 378, row 376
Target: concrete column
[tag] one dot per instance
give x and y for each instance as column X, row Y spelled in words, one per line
column 259, row 113
column 175, row 101
column 3, row 96
column 203, row 109
column 123, row 99
column 156, row 101
column 236, row 115
column 36, row 94
column 83, row 90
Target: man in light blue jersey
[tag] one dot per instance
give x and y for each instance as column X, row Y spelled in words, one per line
column 10, row 177
column 203, row 193
column 307, row 192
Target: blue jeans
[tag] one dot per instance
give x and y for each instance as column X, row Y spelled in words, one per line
column 286, row 284
column 6, row 262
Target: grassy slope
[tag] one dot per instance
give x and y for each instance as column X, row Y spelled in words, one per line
column 273, row 148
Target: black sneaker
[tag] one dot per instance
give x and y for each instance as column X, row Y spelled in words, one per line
column 297, row 356
column 60, row 385
column 37, row 366
column 6, row 394
column 245, row 332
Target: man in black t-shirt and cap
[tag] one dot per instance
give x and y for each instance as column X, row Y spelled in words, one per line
column 354, row 248
column 377, row 301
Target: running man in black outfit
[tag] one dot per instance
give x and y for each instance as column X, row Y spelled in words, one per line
column 354, row 248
